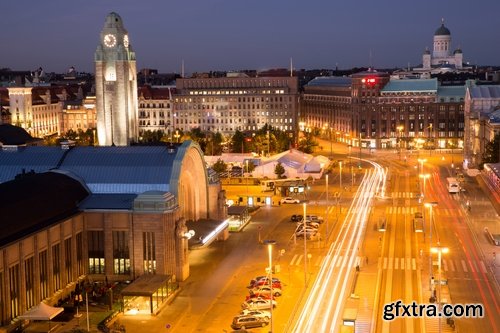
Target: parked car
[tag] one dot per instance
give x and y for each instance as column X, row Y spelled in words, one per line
column 308, row 223
column 296, row 218
column 315, row 218
column 253, row 295
column 309, row 233
column 264, row 282
column 300, row 227
column 256, row 313
column 259, row 304
column 289, row 200
column 266, row 290
column 263, row 279
column 248, row 321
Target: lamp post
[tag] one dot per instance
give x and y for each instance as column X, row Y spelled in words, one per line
column 430, row 205
column 270, row 244
column 439, row 249
column 400, row 131
column 424, row 177
column 305, row 246
column 177, row 135
column 422, row 161
column 327, row 206
column 340, row 175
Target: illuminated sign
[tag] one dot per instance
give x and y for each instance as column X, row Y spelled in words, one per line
column 369, row 81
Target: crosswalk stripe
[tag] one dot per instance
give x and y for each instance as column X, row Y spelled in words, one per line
column 391, row 262
column 396, row 263
column 452, row 265
column 408, row 263
column 472, row 266
column 384, row 266
column 293, row 260
column 402, row 263
column 483, row 266
column 464, row 266
column 413, row 264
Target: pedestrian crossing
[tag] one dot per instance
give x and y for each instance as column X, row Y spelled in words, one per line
column 412, row 210
column 405, row 195
column 392, row 263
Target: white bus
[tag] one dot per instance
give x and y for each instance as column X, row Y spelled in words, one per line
column 453, row 185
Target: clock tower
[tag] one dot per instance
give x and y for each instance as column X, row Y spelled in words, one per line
column 116, row 85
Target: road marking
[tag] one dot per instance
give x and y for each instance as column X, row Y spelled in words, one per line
column 445, row 266
column 483, row 266
column 452, row 265
column 472, row 267
column 395, row 263
column 408, row 263
column 384, row 266
column 413, row 264
column 464, row 266
column 402, row 263
column 293, row 259
column 390, row 262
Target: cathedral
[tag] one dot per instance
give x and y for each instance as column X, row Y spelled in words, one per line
column 442, row 59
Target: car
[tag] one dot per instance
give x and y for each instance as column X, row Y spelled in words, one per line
column 264, row 282
column 308, row 223
column 266, row 290
column 296, row 218
column 315, row 218
column 289, row 200
column 248, row 321
column 259, row 304
column 253, row 295
column 300, row 227
column 308, row 233
column 256, row 313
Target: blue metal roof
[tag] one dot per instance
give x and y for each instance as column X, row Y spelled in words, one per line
column 108, row 201
column 456, row 92
column 486, row 91
column 133, row 169
column 38, row 159
column 411, row 85
column 333, row 81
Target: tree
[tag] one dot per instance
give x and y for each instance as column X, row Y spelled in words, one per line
column 307, row 143
column 279, row 170
column 219, row 166
column 492, row 151
column 238, row 142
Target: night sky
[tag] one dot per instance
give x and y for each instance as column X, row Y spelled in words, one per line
column 247, row 34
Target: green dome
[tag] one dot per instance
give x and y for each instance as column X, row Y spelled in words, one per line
column 442, row 31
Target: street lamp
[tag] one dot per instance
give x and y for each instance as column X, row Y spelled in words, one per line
column 424, row 177
column 177, row 135
column 270, row 244
column 422, row 161
column 430, row 205
column 400, row 131
column 340, row 175
column 327, row 206
column 304, row 233
column 439, row 249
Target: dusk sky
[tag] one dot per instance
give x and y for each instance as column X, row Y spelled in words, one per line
column 247, row 34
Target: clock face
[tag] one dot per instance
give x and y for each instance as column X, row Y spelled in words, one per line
column 125, row 40
column 110, row 40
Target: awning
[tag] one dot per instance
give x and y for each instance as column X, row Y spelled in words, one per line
column 41, row 311
column 146, row 285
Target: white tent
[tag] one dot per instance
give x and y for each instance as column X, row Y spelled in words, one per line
column 41, row 311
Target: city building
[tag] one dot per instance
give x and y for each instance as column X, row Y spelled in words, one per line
column 379, row 112
column 116, row 85
column 155, row 109
column 482, row 120
column 101, row 213
column 236, row 102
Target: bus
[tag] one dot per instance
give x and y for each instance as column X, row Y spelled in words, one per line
column 453, row 185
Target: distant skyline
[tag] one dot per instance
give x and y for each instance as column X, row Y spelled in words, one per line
column 237, row 34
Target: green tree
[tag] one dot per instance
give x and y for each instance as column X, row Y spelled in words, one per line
column 219, row 166
column 279, row 170
column 492, row 151
column 307, row 143
column 238, row 142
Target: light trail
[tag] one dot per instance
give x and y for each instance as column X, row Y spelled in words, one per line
column 323, row 308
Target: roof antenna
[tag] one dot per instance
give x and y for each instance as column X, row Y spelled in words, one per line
column 291, row 67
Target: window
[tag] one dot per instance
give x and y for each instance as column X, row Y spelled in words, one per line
column 44, row 287
column 148, row 252
column 29, row 273
column 14, row 279
column 56, row 266
column 121, row 255
column 96, row 252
